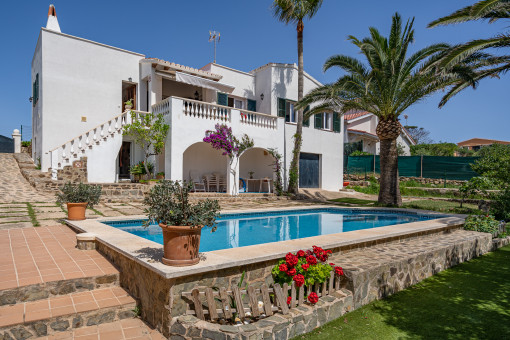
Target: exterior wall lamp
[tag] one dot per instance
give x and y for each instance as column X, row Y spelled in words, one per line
column 261, row 96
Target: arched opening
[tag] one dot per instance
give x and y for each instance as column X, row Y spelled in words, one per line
column 205, row 166
column 257, row 170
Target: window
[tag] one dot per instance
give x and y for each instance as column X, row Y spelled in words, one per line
column 35, row 90
column 286, row 109
column 328, row 121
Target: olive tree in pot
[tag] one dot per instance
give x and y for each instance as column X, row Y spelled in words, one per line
column 78, row 197
column 182, row 222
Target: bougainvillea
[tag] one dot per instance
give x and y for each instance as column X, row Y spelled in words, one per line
column 305, row 268
column 223, row 139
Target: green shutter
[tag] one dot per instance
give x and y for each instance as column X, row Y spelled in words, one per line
column 318, row 121
column 222, row 99
column 336, row 122
column 306, row 121
column 252, row 105
column 35, row 96
column 281, row 107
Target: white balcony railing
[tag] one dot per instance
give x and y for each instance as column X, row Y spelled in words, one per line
column 202, row 110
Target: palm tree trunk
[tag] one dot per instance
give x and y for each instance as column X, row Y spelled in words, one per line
column 294, row 165
column 389, row 192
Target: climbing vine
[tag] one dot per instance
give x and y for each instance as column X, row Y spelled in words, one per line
column 277, row 166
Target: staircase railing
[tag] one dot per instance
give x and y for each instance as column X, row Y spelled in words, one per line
column 76, row 147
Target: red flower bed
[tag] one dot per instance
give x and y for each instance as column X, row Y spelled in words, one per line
column 305, row 268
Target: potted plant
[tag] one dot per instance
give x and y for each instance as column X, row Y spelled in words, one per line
column 251, row 174
column 182, row 222
column 160, row 175
column 78, row 197
column 136, row 171
column 128, row 105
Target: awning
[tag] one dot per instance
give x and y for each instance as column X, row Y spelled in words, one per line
column 198, row 81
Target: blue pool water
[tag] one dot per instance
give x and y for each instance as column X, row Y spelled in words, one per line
column 245, row 229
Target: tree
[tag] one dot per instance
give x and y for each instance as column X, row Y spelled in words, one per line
column 223, row 139
column 149, row 132
column 294, row 12
column 437, row 149
column 491, row 11
column 419, row 134
column 387, row 85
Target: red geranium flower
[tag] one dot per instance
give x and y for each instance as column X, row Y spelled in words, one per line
column 289, row 299
column 332, row 264
column 305, row 266
column 309, row 252
column 300, row 253
column 313, row 298
column 323, row 257
column 283, row 267
column 291, row 272
column 329, row 252
column 311, row 260
column 339, row 271
column 317, row 250
column 299, row 280
column 291, row 259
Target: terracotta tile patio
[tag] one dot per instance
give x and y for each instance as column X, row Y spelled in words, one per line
column 45, row 254
column 133, row 329
column 64, row 305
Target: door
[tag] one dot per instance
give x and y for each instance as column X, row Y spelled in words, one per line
column 308, row 170
column 125, row 160
column 128, row 93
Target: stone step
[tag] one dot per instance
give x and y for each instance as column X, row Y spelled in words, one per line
column 44, row 290
column 134, row 329
column 64, row 313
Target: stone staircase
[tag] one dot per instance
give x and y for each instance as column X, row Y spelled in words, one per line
column 81, row 296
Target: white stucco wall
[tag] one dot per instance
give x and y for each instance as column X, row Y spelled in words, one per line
column 37, row 137
column 243, row 82
column 80, row 78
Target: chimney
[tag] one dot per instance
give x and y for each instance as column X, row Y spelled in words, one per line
column 52, row 23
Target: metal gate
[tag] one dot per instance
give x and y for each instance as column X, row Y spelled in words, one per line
column 308, row 170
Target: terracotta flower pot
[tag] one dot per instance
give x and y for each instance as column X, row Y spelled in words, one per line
column 346, row 184
column 76, row 211
column 160, row 177
column 181, row 245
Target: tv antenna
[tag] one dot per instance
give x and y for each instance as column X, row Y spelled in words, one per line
column 215, row 37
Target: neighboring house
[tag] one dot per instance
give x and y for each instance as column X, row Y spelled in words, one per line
column 360, row 134
column 476, row 143
column 79, row 90
column 6, row 144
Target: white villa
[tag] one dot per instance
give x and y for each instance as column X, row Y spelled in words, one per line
column 360, row 134
column 79, row 90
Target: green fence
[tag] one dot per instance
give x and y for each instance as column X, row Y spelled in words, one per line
column 458, row 168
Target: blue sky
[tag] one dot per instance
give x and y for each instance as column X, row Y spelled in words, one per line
column 250, row 37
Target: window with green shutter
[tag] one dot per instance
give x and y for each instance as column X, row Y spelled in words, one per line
column 318, row 121
column 281, row 107
column 222, row 99
column 336, row 122
column 252, row 105
column 35, row 90
column 306, row 121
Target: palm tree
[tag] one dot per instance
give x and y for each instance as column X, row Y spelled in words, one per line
column 388, row 84
column 492, row 11
column 295, row 11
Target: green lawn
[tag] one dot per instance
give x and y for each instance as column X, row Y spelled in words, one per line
column 442, row 206
column 469, row 301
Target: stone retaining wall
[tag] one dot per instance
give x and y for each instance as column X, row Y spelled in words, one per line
column 162, row 304
column 437, row 181
column 300, row 320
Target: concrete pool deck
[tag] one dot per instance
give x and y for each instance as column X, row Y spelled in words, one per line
column 149, row 253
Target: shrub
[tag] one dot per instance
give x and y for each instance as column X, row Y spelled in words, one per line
column 168, row 203
column 360, row 153
column 79, row 193
column 482, row 223
column 26, row 143
column 500, row 205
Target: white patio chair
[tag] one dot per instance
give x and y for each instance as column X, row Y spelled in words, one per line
column 198, row 184
column 211, row 181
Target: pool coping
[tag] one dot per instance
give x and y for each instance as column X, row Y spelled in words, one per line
column 144, row 251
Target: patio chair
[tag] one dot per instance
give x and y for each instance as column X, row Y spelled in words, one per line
column 211, row 181
column 264, row 181
column 198, row 184
column 221, row 181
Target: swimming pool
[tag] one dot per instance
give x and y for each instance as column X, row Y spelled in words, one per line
column 245, row 229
